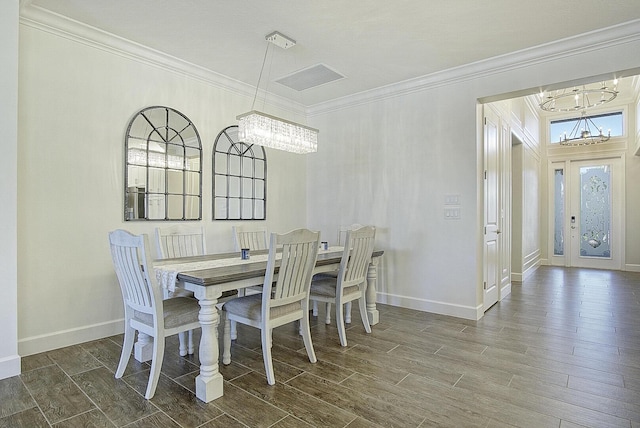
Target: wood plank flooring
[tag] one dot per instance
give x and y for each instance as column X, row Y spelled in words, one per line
column 563, row 350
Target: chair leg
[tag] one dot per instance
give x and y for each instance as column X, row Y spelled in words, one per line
column 306, row 337
column 127, row 347
column 234, row 330
column 315, row 308
column 265, row 334
column 347, row 313
column 190, row 349
column 183, row 345
column 156, row 365
column 327, row 319
column 363, row 313
column 340, row 323
column 226, row 340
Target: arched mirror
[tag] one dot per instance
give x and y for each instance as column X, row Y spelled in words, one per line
column 163, row 174
column 239, row 178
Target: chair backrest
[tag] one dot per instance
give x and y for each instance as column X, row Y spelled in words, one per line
column 342, row 232
column 131, row 261
column 180, row 241
column 299, row 252
column 251, row 238
column 358, row 248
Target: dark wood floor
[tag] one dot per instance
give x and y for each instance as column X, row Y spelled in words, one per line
column 563, row 350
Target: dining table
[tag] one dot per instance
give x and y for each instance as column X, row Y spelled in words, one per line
column 209, row 276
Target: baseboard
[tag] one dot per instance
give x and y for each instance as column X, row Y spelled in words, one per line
column 530, row 270
column 505, row 291
column 442, row 308
column 10, row 366
column 520, row 277
column 632, row 267
column 60, row 339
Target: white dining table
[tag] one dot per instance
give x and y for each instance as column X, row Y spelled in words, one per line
column 209, row 276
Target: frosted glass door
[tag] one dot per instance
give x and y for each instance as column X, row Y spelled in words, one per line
column 595, row 211
column 594, row 215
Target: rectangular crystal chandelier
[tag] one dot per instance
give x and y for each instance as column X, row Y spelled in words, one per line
column 265, row 130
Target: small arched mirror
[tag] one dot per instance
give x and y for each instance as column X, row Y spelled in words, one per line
column 163, row 174
column 239, row 178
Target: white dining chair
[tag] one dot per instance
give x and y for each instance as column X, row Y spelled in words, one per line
column 145, row 309
column 184, row 241
column 350, row 282
column 181, row 241
column 281, row 302
column 342, row 233
column 253, row 238
column 249, row 237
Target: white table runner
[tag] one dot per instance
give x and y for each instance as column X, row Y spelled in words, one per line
column 167, row 274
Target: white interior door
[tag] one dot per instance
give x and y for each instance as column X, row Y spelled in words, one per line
column 491, row 209
column 594, row 214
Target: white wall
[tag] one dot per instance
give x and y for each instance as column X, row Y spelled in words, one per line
column 389, row 160
column 386, row 163
column 9, row 359
column 75, row 102
column 632, row 198
column 517, row 205
column 526, row 124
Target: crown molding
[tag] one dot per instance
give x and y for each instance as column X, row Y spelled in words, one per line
column 61, row 26
column 571, row 46
column 44, row 20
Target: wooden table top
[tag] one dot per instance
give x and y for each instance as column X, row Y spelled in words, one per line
column 222, row 274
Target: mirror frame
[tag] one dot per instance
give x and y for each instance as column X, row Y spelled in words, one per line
column 239, row 171
column 151, row 136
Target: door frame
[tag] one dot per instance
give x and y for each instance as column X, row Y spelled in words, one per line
column 619, row 201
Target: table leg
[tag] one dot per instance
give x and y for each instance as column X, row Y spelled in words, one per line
column 372, row 279
column 143, row 348
column 209, row 382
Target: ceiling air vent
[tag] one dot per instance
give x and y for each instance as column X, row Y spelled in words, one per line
column 310, row 77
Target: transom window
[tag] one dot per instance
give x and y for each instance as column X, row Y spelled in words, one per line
column 239, row 178
column 607, row 122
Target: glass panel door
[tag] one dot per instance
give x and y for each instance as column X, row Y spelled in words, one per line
column 558, row 212
column 595, row 211
column 594, row 214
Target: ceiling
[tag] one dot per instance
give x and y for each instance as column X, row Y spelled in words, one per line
column 373, row 43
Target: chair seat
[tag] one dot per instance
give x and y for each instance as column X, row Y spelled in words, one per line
column 326, row 287
column 177, row 311
column 250, row 307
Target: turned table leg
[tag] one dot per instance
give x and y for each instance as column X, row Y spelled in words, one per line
column 209, row 382
column 371, row 294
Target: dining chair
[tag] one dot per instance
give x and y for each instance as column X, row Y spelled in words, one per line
column 183, row 241
column 248, row 237
column 254, row 239
column 180, row 241
column 145, row 309
column 342, row 232
column 284, row 297
column 350, row 282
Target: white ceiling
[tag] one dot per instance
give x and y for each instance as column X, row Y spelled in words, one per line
column 373, row 43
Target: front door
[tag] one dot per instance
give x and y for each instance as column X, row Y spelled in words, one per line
column 595, row 214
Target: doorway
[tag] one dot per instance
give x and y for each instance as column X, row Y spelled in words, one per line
column 587, row 202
